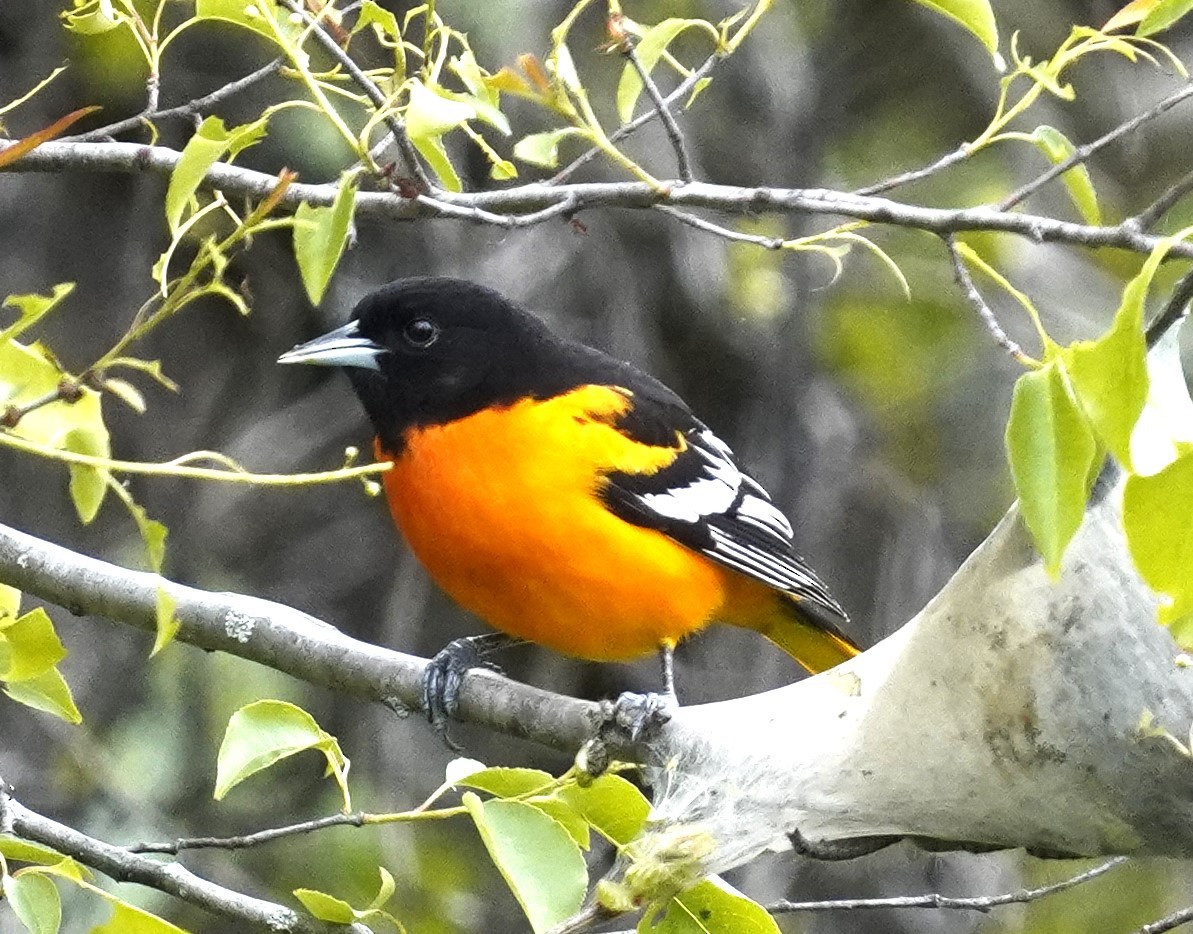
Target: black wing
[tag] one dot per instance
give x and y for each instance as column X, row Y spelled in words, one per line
column 705, row 501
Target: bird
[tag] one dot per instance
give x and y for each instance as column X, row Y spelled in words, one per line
column 565, row 497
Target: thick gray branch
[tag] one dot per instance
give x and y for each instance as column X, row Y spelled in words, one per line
column 283, row 638
column 540, row 202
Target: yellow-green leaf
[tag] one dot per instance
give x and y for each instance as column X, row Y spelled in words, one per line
column 540, row 862
column 383, row 21
column 326, row 907
column 10, row 602
column 507, row 782
column 1056, row 146
column 321, row 236
column 1164, row 14
column 1158, row 520
column 33, row 646
column 88, row 485
column 92, row 17
column 712, row 906
column 248, row 14
column 33, row 308
column 1129, row 15
column 974, row 15
column 208, row 145
column 1051, row 449
column 129, row 919
column 543, row 148
column 166, row 621
column 17, row 850
column 34, row 900
column 613, row 806
column 430, row 115
column 650, row 48
column 48, row 693
column 264, row 732
column 431, row 148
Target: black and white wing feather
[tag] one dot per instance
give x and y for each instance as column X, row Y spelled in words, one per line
column 705, row 501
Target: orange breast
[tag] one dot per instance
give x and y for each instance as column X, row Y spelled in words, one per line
column 501, row 508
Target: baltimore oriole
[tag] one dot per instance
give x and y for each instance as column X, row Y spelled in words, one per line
column 563, row 496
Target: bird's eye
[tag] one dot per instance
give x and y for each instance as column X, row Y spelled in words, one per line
column 421, row 332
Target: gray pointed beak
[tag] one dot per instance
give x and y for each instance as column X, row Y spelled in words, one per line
column 344, row 346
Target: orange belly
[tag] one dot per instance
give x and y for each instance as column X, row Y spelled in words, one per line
column 501, row 508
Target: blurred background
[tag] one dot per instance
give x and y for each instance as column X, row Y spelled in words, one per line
column 875, row 421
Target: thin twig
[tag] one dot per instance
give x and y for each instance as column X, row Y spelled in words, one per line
column 985, row 312
column 957, row 155
column 396, row 126
column 171, row 878
column 1147, row 218
column 626, row 129
column 982, row 903
column 1169, row 923
column 664, row 111
column 247, row 840
column 1175, row 309
column 1084, row 152
column 191, row 108
column 536, row 202
column 769, row 243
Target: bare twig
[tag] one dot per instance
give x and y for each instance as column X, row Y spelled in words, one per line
column 683, row 88
column 728, row 233
column 529, row 204
column 1175, row 309
column 374, row 94
column 1082, row 153
column 1169, row 923
column 982, row 903
column 957, row 155
column 985, row 312
column 175, row 847
column 1147, row 218
column 190, row 109
column 661, row 108
column 172, row 878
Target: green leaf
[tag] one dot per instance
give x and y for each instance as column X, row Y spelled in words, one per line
column 165, row 620
column 326, row 907
column 711, row 906
column 543, row 148
column 129, row 919
column 1056, row 146
column 1109, row 375
column 1158, row 520
column 320, row 237
column 92, row 17
column 209, row 144
column 88, row 485
column 431, row 148
column 17, row 850
column 1164, row 14
column 48, row 693
column 430, row 115
column 248, row 14
column 974, row 15
column 33, row 308
column 507, row 782
column 385, row 891
column 540, row 862
column 559, row 809
column 34, row 899
column 650, row 49
column 10, row 602
column 613, row 806
column 262, row 733
column 383, row 21
column 34, row 646
column 1052, row 452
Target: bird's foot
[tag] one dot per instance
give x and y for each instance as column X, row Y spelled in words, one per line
column 444, row 676
column 630, row 720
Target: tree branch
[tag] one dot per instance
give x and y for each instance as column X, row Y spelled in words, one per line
column 284, row 639
column 985, row 312
column 534, row 203
column 982, row 903
column 673, row 132
column 169, row 877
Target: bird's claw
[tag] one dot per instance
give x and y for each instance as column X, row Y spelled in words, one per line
column 628, row 721
column 444, row 676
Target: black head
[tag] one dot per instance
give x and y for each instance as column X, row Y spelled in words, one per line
column 425, row 351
